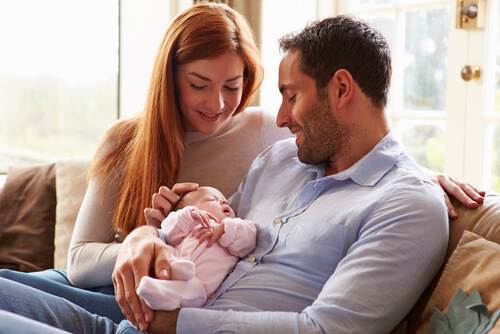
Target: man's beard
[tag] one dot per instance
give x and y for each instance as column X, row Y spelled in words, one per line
column 325, row 137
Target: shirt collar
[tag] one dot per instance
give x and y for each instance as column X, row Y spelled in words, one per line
column 369, row 169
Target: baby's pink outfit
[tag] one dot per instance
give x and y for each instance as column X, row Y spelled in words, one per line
column 196, row 270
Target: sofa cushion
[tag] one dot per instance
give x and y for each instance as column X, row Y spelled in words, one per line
column 27, row 217
column 71, row 184
column 483, row 221
column 472, row 266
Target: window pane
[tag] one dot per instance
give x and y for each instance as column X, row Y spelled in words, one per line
column 414, row 2
column 293, row 17
column 384, row 22
column 425, row 59
column 492, row 152
column 495, row 156
column 368, row 4
column 58, row 77
column 497, row 78
column 424, row 141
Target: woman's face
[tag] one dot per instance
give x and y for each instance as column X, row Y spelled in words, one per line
column 209, row 91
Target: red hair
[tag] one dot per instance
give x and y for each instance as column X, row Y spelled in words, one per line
column 149, row 147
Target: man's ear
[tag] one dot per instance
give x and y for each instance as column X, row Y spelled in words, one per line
column 342, row 85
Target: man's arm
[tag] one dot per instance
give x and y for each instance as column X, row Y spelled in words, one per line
column 164, row 322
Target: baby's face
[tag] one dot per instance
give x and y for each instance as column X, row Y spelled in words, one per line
column 210, row 200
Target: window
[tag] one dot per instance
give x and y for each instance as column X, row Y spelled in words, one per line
column 418, row 34
column 493, row 127
column 59, row 74
column 292, row 17
column 444, row 122
column 58, row 77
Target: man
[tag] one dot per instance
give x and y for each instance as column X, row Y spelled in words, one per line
column 351, row 232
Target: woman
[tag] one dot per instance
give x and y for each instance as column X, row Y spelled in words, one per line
column 191, row 129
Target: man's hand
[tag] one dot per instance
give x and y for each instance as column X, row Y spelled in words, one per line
column 164, row 322
column 141, row 252
column 464, row 192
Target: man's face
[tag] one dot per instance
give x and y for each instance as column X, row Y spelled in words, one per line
column 321, row 136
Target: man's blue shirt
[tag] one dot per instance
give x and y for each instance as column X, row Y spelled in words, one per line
column 346, row 253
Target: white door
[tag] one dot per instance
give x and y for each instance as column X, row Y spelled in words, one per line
column 444, row 122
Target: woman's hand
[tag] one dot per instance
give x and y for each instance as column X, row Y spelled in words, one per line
column 153, row 217
column 464, row 192
column 141, row 253
column 164, row 200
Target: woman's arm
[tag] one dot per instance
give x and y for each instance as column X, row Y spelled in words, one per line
column 93, row 250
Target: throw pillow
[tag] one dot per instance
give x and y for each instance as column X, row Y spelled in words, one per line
column 482, row 221
column 71, row 184
column 472, row 266
column 27, row 217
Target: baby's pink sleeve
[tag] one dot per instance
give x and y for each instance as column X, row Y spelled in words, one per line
column 239, row 236
column 177, row 225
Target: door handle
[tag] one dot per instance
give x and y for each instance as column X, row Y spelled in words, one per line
column 469, row 73
column 470, row 11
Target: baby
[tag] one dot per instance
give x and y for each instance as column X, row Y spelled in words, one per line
column 206, row 241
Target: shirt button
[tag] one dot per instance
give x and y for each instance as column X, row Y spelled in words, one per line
column 251, row 259
column 277, row 220
column 213, row 295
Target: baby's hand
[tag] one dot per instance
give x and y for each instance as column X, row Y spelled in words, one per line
column 212, row 234
column 202, row 217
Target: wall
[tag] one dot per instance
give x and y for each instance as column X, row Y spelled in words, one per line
column 142, row 25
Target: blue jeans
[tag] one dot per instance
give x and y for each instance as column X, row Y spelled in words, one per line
column 13, row 323
column 24, row 309
column 100, row 300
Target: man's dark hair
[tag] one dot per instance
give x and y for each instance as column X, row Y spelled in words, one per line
column 344, row 42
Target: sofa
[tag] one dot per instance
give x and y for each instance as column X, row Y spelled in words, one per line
column 38, row 209
column 39, row 204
